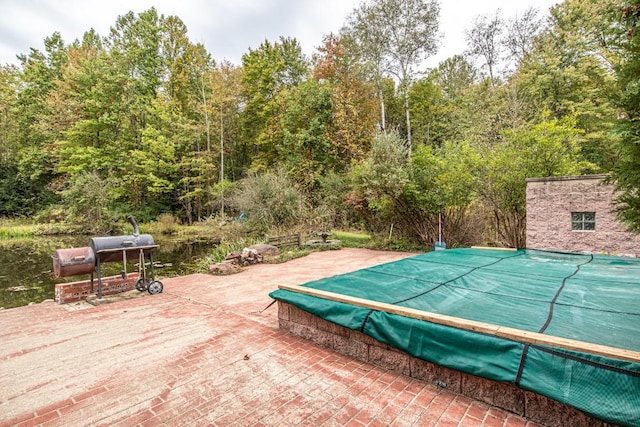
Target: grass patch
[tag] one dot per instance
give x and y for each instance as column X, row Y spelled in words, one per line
column 351, row 239
column 16, row 229
column 397, row 245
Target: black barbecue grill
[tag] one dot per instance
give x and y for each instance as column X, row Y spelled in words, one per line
column 86, row 260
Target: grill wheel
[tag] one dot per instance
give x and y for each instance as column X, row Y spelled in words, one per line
column 155, row 287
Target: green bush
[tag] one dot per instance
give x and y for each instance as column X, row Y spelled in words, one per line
column 270, row 201
column 168, row 224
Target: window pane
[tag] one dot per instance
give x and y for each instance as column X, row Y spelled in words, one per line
column 583, row 221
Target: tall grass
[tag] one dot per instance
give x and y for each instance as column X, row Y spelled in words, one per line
column 15, row 229
column 220, row 252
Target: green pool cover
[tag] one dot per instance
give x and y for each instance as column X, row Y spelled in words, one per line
column 590, row 298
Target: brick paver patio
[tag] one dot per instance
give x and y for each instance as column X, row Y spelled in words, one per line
column 203, row 354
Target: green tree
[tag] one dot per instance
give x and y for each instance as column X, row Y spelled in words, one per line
column 396, row 35
column 12, row 194
column 430, row 113
column 380, row 179
column 454, row 76
column 305, row 147
column 89, row 127
column 625, row 173
column 268, row 71
column 550, row 148
column 9, row 84
column 569, row 73
column 443, row 188
column 225, row 105
column 437, row 183
column 34, row 136
column 88, row 204
column 460, row 104
column 484, row 40
column 270, row 200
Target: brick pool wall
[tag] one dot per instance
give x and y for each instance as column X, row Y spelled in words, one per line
column 505, row 396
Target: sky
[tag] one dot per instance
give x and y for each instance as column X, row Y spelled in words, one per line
column 227, row 28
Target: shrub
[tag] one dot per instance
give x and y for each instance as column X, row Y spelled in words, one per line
column 270, row 201
column 167, row 224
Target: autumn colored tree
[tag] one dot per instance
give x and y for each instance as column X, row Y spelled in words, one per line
column 353, row 102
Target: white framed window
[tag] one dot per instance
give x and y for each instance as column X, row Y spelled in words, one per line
column 583, row 221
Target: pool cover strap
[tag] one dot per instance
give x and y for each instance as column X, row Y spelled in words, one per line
column 548, row 321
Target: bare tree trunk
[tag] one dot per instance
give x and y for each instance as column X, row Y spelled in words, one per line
column 206, row 116
column 221, row 161
column 383, row 114
column 408, row 115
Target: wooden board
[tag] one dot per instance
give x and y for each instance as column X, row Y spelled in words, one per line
column 491, row 248
column 518, row 335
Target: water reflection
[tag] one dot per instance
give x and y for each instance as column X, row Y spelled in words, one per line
column 26, row 267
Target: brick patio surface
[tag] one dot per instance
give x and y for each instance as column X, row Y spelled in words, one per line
column 203, row 353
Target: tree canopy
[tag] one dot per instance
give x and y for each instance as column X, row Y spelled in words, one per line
column 144, row 121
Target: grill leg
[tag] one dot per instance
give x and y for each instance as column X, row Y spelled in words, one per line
column 153, row 274
column 124, row 265
column 99, row 281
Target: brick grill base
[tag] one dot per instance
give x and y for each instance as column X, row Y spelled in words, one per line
column 80, row 291
column 505, row 396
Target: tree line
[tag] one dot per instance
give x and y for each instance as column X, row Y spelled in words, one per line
column 145, row 121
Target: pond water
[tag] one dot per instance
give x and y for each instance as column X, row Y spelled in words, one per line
column 26, row 267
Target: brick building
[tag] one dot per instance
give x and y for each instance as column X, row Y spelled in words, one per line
column 577, row 214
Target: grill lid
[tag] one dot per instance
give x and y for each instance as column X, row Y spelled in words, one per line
column 109, row 249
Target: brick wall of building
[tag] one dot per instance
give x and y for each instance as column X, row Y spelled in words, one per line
column 550, row 202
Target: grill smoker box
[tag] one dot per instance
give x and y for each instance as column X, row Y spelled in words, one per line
column 73, row 262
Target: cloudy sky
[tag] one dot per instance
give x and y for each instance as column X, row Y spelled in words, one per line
column 227, row 28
